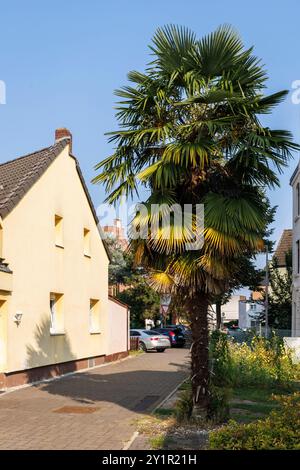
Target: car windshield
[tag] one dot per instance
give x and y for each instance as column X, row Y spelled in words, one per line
column 150, row 332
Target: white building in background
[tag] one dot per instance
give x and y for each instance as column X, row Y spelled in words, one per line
column 239, row 309
column 233, row 309
column 250, row 314
column 295, row 183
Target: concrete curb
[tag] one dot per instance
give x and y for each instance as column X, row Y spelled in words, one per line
column 131, row 440
column 168, row 396
column 136, row 433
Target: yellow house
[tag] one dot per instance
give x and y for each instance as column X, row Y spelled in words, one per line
column 55, row 314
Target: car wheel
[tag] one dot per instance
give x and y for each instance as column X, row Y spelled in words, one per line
column 161, row 350
column 142, row 347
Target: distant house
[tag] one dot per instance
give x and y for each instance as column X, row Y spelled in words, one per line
column 295, row 183
column 249, row 316
column 241, row 311
column 55, row 314
column 284, row 246
column 117, row 232
column 230, row 311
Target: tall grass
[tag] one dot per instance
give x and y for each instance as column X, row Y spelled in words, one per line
column 259, row 363
column 264, row 362
column 280, row 430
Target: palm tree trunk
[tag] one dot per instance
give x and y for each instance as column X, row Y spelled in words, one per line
column 198, row 309
column 218, row 315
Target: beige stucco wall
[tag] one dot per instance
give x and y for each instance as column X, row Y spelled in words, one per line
column 39, row 267
column 118, row 328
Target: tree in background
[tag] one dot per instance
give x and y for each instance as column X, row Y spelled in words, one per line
column 189, row 131
column 280, row 294
column 143, row 301
column 130, row 284
column 120, row 266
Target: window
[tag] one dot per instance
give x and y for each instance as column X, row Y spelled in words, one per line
column 94, row 319
column 56, row 314
column 58, row 220
column 86, row 242
column 150, row 332
column 298, row 256
column 135, row 333
column 298, row 198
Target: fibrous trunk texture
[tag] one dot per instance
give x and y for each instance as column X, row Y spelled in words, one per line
column 198, row 309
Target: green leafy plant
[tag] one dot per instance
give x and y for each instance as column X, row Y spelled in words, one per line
column 220, row 377
column 280, row 297
column 220, row 359
column 280, row 430
column 189, row 130
column 184, row 405
column 219, row 409
column 264, row 362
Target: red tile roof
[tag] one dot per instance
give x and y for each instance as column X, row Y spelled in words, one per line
column 19, row 175
column 284, row 245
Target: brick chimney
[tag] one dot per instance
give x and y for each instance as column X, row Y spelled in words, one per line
column 63, row 133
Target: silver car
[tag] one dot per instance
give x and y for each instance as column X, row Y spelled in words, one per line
column 150, row 340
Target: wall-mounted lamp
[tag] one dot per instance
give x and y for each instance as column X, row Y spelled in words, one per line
column 18, row 317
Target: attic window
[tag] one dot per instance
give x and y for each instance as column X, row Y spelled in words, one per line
column 94, row 317
column 86, row 242
column 58, row 220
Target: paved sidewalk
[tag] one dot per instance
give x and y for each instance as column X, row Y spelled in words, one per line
column 90, row 410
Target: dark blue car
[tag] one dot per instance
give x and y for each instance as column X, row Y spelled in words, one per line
column 175, row 335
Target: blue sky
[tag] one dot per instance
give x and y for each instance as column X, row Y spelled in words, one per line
column 62, row 60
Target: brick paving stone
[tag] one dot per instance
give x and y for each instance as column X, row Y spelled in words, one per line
column 116, row 390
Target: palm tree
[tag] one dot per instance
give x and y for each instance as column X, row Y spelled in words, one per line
column 189, row 131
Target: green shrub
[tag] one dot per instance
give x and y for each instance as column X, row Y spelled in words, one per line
column 219, row 409
column 265, row 362
column 184, row 405
column 220, row 359
column 220, row 377
column 260, row 362
column 280, row 430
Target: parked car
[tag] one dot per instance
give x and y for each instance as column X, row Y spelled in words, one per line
column 175, row 335
column 236, row 333
column 150, row 340
column 185, row 330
